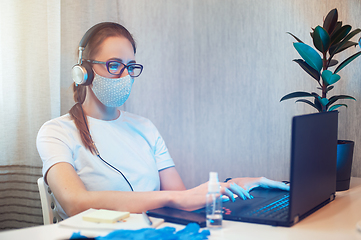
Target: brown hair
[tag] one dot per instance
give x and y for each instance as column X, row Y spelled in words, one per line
column 92, row 48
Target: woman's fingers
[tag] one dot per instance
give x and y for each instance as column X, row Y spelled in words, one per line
column 233, row 186
column 229, row 193
column 235, row 189
column 250, row 183
column 267, row 183
column 240, row 191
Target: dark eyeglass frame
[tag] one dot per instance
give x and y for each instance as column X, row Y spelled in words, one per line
column 125, row 66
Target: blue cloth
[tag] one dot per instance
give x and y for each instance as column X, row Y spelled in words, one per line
column 191, row 231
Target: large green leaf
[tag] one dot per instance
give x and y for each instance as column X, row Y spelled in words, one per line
column 329, row 78
column 310, row 70
column 297, row 39
column 315, row 94
column 336, row 106
column 321, row 39
column 335, row 98
column 347, row 61
column 344, row 47
column 337, row 27
column 340, row 34
column 310, row 103
column 318, row 104
column 296, row 95
column 310, row 55
column 330, row 21
column 345, row 40
column 323, row 101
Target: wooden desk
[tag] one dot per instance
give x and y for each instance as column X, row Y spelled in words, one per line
column 337, row 220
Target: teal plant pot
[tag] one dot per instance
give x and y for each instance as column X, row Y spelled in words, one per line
column 344, row 164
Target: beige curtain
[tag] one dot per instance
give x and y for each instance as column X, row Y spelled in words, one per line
column 29, row 96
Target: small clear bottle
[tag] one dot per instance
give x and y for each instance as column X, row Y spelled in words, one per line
column 214, row 203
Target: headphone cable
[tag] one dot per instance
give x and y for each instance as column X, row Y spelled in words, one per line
column 96, row 149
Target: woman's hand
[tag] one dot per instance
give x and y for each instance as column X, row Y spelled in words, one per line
column 242, row 186
column 249, row 183
column 195, row 198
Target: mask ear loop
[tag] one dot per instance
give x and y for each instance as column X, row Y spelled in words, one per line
column 96, row 149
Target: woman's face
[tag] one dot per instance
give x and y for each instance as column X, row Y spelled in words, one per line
column 114, row 48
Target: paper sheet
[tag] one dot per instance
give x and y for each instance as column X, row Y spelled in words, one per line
column 133, row 222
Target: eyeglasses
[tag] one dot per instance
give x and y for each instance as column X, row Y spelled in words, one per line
column 116, row 67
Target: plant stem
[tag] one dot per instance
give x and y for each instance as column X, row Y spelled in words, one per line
column 324, row 87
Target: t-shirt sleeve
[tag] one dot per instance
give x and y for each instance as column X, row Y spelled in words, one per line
column 162, row 156
column 53, row 144
column 161, row 153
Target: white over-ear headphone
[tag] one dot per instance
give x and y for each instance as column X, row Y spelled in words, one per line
column 82, row 72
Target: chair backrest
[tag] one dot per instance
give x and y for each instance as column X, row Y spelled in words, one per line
column 48, row 205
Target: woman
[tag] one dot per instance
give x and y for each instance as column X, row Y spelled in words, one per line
column 99, row 157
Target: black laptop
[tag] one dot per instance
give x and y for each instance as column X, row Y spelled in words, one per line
column 312, row 180
column 312, row 176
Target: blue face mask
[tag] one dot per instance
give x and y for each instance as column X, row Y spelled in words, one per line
column 112, row 92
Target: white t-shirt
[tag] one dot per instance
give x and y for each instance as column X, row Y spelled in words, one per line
column 130, row 143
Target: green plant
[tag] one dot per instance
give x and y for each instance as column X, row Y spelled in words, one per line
column 330, row 39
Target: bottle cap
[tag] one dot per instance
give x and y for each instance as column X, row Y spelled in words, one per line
column 213, row 184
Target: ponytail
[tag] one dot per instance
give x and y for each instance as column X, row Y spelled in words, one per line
column 80, row 120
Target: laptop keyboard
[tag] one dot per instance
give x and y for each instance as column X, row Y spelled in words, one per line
column 277, row 209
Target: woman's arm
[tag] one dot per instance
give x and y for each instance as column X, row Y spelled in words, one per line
column 72, row 195
column 170, row 179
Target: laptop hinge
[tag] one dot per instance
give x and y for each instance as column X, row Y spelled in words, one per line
column 332, row 197
column 296, row 219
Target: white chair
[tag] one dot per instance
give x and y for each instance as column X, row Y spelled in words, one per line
column 48, row 205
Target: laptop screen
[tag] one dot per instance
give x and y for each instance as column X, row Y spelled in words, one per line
column 313, row 164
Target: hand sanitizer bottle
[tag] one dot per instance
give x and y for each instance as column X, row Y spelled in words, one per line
column 214, row 202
